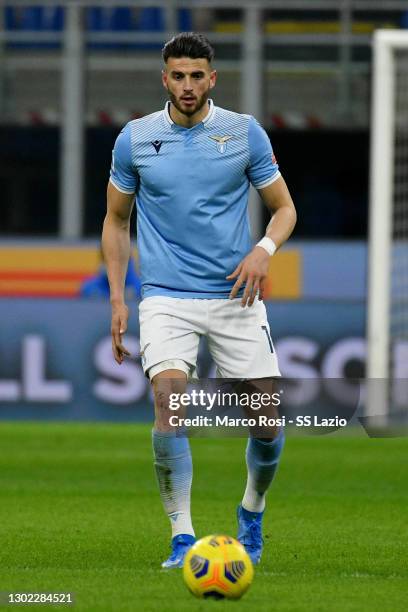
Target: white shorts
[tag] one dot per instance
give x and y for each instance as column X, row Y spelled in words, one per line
column 239, row 338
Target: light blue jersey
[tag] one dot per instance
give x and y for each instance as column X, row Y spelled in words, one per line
column 191, row 187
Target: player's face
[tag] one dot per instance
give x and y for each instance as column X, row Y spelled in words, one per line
column 188, row 82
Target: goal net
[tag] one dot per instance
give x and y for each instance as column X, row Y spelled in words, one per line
column 387, row 320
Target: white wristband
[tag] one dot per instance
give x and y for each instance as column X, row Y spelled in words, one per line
column 267, row 244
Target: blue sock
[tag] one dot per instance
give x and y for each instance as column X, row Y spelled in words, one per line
column 262, row 460
column 174, row 470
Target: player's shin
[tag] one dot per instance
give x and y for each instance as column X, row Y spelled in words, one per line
column 174, row 470
column 262, row 458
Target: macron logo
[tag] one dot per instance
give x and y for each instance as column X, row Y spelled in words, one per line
column 157, row 145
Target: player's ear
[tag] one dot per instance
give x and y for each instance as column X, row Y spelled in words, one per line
column 213, row 78
column 164, row 78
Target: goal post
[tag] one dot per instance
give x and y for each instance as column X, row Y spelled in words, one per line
column 388, row 216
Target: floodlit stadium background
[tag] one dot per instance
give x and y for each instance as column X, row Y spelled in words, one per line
column 71, row 76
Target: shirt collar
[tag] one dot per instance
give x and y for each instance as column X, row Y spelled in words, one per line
column 207, row 119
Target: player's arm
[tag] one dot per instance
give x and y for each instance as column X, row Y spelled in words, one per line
column 263, row 173
column 253, row 269
column 116, row 252
column 279, row 201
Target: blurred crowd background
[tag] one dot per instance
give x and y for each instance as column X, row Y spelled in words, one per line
column 315, row 98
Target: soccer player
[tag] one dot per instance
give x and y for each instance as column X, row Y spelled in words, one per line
column 189, row 167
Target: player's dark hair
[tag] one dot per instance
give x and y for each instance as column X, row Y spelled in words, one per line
column 188, row 44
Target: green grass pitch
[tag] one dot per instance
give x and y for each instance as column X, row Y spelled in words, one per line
column 80, row 512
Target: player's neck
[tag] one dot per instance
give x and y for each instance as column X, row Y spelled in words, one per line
column 188, row 121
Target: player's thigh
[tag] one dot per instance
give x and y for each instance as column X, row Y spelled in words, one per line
column 169, row 334
column 240, row 341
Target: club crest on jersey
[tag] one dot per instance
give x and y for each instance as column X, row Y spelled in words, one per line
column 221, row 142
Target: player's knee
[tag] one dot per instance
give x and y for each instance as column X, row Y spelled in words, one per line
column 163, row 399
column 166, row 391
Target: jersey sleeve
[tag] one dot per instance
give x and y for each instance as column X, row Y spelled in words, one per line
column 123, row 175
column 263, row 168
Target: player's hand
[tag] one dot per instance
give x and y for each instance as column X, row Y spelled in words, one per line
column 252, row 271
column 120, row 316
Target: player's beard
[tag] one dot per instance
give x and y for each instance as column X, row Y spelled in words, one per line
column 189, row 112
